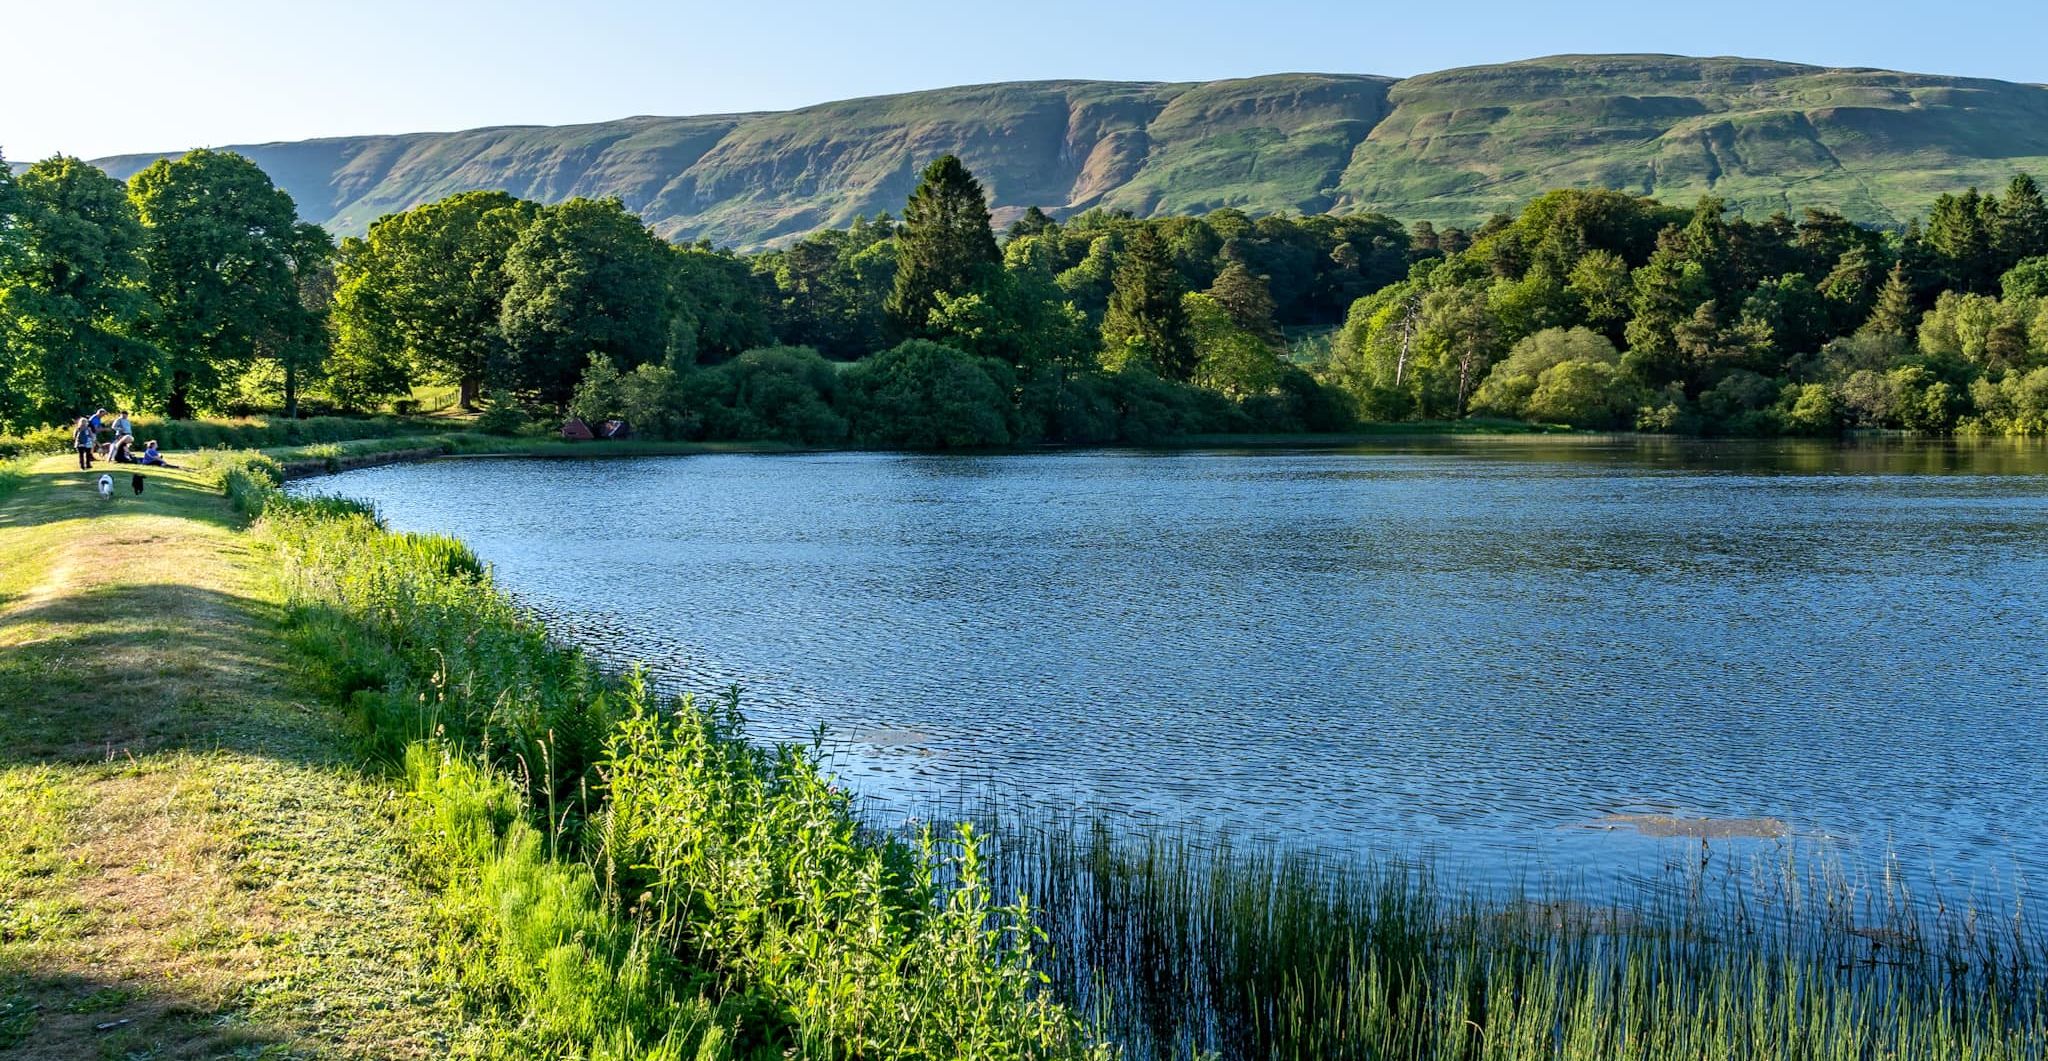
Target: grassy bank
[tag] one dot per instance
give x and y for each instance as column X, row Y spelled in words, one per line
column 193, row 866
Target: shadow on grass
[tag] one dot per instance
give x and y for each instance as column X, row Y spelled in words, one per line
column 139, row 668
column 50, row 1014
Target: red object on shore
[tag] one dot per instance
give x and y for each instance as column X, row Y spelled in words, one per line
column 576, row 430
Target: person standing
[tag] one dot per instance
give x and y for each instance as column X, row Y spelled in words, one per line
column 121, row 426
column 84, row 439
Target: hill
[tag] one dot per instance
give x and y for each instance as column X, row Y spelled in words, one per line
column 1450, row 147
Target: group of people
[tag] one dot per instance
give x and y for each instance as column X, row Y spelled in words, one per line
column 120, row 449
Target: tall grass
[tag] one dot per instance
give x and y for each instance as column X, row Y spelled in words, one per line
column 1184, row 947
column 564, row 808
column 13, row 473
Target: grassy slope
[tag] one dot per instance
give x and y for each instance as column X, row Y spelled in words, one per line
column 1451, row 146
column 189, row 852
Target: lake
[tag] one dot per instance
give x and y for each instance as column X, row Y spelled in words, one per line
column 1578, row 657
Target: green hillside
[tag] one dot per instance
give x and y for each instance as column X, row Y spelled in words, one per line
column 1450, row 147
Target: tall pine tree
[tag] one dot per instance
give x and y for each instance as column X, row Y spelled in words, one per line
column 945, row 247
column 1248, row 301
column 2021, row 223
column 1146, row 322
column 1894, row 312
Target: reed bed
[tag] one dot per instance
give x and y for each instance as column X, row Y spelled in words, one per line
column 1184, row 946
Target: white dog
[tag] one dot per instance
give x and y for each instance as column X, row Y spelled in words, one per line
column 107, row 487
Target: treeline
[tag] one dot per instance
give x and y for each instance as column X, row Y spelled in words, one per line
column 1604, row 310
column 194, row 288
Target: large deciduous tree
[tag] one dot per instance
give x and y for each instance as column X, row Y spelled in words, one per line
column 70, row 292
column 428, row 287
column 586, row 277
column 945, row 246
column 220, row 241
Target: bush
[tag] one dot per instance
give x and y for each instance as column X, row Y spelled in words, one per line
column 1511, row 386
column 1151, row 409
column 649, row 398
column 777, row 392
column 926, row 395
column 1583, row 393
column 501, row 420
column 42, row 440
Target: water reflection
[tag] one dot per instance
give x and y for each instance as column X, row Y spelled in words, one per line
column 1492, row 649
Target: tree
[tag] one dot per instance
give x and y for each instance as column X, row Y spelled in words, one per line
column 1959, row 232
column 299, row 342
column 70, row 293
column 2020, row 224
column 719, row 305
column 1146, row 323
column 428, row 286
column 946, row 245
column 1230, row 359
column 1508, row 388
column 218, row 244
column 1893, row 313
column 585, row 277
column 1032, row 223
column 926, row 395
column 1248, row 301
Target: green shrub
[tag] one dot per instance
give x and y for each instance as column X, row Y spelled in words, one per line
column 41, row 441
column 925, row 395
column 1151, row 409
column 779, row 392
column 505, row 420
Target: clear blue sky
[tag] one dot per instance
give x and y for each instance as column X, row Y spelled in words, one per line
column 96, row 77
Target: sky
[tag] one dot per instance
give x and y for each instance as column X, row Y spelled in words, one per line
column 99, row 77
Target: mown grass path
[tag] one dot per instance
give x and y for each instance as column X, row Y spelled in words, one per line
column 190, row 863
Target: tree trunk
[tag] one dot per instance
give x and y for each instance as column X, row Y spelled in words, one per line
column 179, row 407
column 472, row 387
column 291, row 391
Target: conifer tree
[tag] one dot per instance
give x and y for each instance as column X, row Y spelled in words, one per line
column 1894, row 313
column 2021, row 223
column 1248, row 301
column 945, row 247
column 1146, row 322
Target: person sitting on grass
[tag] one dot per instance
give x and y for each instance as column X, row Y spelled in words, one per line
column 84, row 440
column 118, row 450
column 152, row 457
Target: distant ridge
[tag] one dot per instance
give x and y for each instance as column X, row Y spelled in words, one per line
column 1449, row 147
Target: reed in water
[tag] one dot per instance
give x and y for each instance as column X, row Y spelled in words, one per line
column 1180, row 946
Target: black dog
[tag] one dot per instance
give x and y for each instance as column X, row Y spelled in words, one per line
column 137, row 483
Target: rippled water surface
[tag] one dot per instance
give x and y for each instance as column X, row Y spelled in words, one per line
column 1517, row 655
